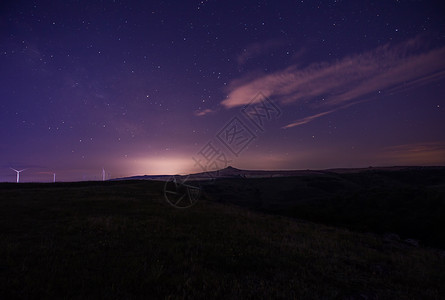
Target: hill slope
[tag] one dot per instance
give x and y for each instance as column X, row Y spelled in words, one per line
column 121, row 240
column 409, row 202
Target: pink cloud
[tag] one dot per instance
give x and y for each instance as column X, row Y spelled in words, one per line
column 333, row 85
column 307, row 119
column 203, row 112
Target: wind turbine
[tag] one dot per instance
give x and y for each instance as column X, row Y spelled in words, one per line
column 18, row 173
column 103, row 174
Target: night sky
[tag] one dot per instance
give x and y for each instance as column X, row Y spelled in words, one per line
column 166, row 87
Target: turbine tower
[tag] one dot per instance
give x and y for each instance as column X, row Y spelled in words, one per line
column 103, row 174
column 18, row 173
column 54, row 177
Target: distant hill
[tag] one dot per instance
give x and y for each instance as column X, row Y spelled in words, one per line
column 231, row 172
column 409, row 201
column 145, row 177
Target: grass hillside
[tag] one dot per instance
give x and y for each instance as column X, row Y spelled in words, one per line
column 410, row 203
column 121, row 240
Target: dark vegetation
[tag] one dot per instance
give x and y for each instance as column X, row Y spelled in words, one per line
column 121, row 240
column 410, row 203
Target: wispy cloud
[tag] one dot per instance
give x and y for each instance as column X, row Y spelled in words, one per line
column 203, row 112
column 327, row 86
column 258, row 49
column 432, row 153
column 308, row 119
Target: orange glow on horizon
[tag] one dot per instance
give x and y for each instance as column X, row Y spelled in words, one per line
column 162, row 166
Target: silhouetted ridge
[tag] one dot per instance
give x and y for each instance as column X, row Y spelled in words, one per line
column 230, row 168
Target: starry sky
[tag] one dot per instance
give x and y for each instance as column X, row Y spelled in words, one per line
column 173, row 87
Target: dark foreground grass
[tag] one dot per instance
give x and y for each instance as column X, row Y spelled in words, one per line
column 410, row 203
column 119, row 240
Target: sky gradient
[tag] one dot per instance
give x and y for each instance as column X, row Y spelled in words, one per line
column 154, row 87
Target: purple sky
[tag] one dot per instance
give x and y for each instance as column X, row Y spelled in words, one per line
column 153, row 87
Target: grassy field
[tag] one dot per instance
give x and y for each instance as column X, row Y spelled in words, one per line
column 410, row 203
column 121, row 240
